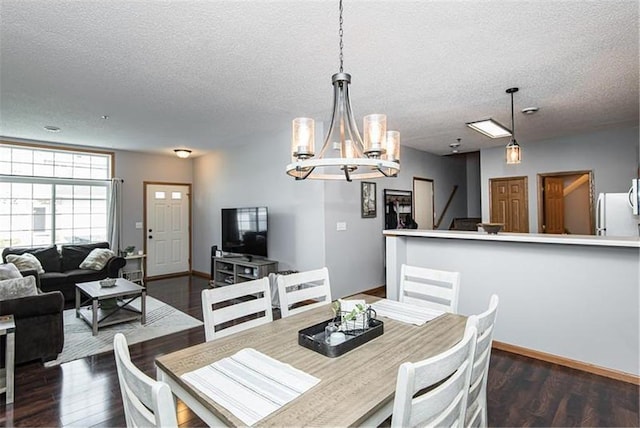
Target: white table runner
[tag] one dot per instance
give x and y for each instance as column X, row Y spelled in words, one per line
column 405, row 312
column 250, row 385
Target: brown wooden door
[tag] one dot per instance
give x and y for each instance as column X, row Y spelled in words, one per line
column 509, row 203
column 553, row 205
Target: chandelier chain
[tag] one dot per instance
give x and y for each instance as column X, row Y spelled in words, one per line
column 513, row 125
column 340, row 33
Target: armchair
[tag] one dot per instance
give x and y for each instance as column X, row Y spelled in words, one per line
column 39, row 324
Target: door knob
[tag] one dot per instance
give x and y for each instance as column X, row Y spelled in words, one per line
column 150, row 237
column 150, row 230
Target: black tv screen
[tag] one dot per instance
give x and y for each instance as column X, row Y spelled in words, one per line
column 244, row 231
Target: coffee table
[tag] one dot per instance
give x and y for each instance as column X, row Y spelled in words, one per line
column 123, row 293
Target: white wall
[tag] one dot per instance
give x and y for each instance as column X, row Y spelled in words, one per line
column 473, row 185
column 253, row 175
column 136, row 168
column 612, row 155
column 355, row 257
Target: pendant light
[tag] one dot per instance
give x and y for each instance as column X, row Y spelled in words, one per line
column 344, row 154
column 513, row 152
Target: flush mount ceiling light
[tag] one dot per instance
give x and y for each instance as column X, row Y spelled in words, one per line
column 530, row 110
column 51, row 128
column 490, row 128
column 344, row 154
column 182, row 153
column 513, row 153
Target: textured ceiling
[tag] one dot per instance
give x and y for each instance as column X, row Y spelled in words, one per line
column 203, row 74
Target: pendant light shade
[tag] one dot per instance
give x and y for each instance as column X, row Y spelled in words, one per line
column 344, row 155
column 513, row 151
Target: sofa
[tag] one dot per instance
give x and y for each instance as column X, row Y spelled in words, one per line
column 39, row 324
column 62, row 268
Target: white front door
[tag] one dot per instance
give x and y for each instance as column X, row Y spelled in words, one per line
column 167, row 228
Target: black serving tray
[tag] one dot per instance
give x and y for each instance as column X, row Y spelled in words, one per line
column 313, row 338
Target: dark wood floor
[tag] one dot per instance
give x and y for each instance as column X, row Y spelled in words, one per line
column 521, row 391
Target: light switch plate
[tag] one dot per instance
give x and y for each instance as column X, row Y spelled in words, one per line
column 341, row 225
column 138, row 225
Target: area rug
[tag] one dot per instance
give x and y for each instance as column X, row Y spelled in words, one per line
column 162, row 319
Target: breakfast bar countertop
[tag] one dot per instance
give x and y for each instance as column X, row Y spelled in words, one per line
column 542, row 238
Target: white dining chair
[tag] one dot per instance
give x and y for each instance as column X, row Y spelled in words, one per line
column 431, row 288
column 146, row 402
column 477, row 402
column 248, row 305
column 445, row 378
column 306, row 290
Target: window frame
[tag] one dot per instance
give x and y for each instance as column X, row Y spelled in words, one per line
column 55, row 181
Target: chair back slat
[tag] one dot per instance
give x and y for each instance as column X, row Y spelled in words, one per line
column 146, row 402
column 431, row 288
column 477, row 401
column 244, row 302
column 311, row 287
column 445, row 378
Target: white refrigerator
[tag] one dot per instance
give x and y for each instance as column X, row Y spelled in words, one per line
column 614, row 216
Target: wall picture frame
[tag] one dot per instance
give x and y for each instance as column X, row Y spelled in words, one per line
column 368, row 201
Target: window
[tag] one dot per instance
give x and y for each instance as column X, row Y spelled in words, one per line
column 52, row 196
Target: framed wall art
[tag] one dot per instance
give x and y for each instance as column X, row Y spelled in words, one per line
column 368, row 199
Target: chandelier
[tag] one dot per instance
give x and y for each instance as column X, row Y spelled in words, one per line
column 344, row 154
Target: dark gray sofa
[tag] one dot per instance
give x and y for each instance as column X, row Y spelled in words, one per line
column 39, row 324
column 62, row 268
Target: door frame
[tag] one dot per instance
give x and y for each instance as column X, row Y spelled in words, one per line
column 145, row 185
column 540, row 182
column 526, row 195
column 433, row 199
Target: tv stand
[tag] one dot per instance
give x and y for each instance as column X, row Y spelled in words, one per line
column 233, row 270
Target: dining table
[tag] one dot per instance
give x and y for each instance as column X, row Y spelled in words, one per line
column 355, row 389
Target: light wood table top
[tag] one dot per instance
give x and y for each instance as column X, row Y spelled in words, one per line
column 353, row 386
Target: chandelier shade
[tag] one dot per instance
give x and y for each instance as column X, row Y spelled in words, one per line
column 344, row 155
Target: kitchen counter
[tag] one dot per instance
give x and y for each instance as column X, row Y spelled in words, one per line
column 571, row 296
column 542, row 238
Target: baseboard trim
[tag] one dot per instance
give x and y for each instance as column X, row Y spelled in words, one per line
column 201, row 274
column 568, row 362
column 374, row 291
column 171, row 275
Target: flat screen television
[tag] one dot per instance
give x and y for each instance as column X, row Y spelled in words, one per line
column 244, row 231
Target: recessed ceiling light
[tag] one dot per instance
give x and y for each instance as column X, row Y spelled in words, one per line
column 490, row 128
column 51, row 128
column 530, row 110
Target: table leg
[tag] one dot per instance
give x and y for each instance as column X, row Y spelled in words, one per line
column 77, row 302
column 143, row 307
column 94, row 321
column 10, row 354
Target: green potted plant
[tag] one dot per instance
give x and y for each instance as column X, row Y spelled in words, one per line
column 129, row 250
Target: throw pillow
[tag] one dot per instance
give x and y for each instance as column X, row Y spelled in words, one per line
column 18, row 287
column 9, row 271
column 25, row 261
column 97, row 259
column 73, row 255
